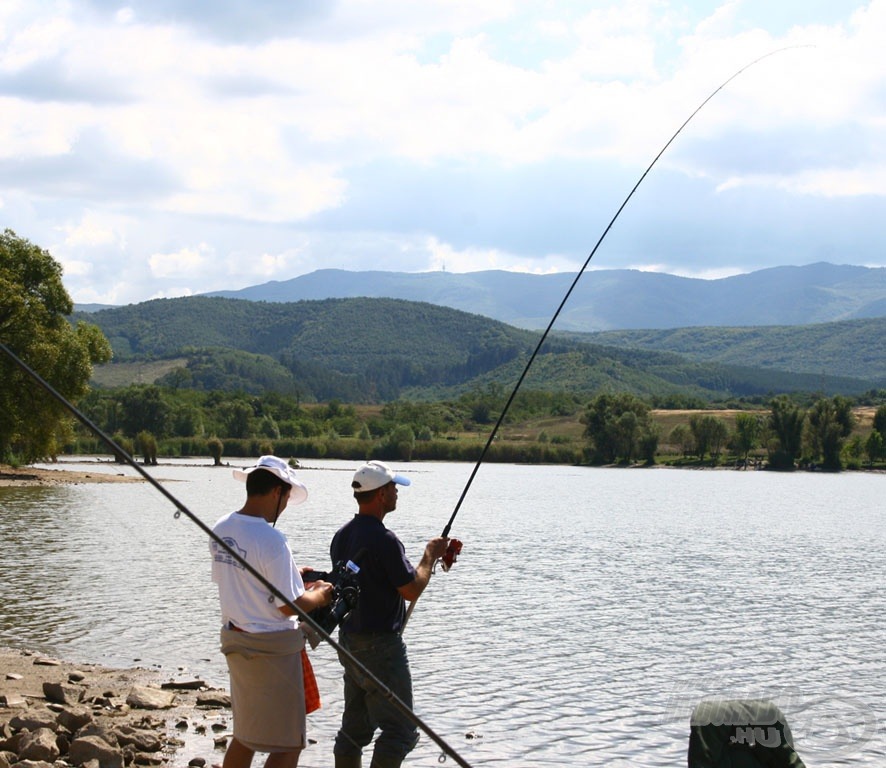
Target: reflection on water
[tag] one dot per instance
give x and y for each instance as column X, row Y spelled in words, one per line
column 589, row 612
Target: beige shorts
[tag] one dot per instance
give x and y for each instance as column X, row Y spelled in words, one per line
column 267, row 690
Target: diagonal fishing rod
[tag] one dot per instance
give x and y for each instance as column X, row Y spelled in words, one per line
column 382, row 689
column 455, row 545
column 547, row 330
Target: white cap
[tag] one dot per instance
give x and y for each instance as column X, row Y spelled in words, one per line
column 280, row 469
column 375, row 474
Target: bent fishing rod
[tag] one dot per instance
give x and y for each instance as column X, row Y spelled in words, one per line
column 181, row 509
column 457, row 547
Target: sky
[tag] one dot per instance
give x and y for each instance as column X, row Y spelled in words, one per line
column 163, row 148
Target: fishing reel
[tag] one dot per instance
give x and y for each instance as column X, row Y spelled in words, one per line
column 345, row 593
column 451, row 555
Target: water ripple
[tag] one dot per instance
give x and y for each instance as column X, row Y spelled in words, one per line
column 588, row 614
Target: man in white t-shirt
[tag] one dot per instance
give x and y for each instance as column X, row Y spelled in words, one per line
column 260, row 637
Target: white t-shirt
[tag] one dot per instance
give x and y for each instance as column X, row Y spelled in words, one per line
column 245, row 601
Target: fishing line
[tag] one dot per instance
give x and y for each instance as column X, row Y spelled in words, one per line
column 556, row 314
column 181, row 509
column 547, row 330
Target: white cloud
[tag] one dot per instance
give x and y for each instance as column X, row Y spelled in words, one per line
column 443, row 256
column 142, row 129
column 94, row 229
column 184, row 263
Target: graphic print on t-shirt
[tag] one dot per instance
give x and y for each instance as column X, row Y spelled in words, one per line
column 221, row 555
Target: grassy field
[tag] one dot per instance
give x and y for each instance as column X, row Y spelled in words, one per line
column 124, row 374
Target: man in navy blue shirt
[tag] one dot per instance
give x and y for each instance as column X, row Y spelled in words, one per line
column 372, row 631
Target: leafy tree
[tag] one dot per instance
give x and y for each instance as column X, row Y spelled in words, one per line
column 397, row 444
column 236, row 418
column 748, row 431
column 615, row 426
column 34, row 306
column 829, row 423
column 880, row 420
column 147, row 447
column 215, row 448
column 785, row 423
column 648, row 443
column 144, row 407
column 185, row 420
column 126, row 444
column 681, row 436
column 875, row 446
column 267, row 427
column 709, row 434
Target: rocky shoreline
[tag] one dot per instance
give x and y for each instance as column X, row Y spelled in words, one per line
column 55, row 713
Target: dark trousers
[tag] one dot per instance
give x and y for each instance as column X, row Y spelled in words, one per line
column 366, row 709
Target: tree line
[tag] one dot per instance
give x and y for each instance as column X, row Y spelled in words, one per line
column 154, row 420
column 620, row 429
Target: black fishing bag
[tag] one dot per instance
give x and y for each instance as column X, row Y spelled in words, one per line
column 745, row 733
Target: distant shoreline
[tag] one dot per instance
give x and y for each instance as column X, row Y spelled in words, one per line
column 28, row 476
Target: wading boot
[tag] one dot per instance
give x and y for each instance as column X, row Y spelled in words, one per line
column 348, row 761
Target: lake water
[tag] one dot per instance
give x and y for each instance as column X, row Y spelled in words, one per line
column 590, row 610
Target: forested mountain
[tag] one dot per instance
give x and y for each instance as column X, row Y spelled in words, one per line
column 854, row 347
column 372, row 350
column 612, row 299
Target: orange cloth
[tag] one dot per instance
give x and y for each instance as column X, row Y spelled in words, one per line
column 312, row 692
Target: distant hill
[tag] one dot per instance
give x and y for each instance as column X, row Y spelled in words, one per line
column 615, row 299
column 853, row 347
column 375, row 350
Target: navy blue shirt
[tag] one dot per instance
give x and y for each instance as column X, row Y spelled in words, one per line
column 383, row 570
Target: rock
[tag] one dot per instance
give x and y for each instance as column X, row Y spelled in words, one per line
column 214, row 699
column 143, row 740
column 44, row 662
column 184, row 685
column 197, row 762
column 41, row 718
column 10, row 743
column 39, row 745
column 140, row 758
column 74, row 718
column 143, row 697
column 96, row 729
column 119, row 733
column 61, row 693
column 64, row 743
column 87, row 748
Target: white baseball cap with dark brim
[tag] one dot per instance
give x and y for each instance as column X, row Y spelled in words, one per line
column 375, row 474
column 281, row 469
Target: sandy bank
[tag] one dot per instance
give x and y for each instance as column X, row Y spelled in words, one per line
column 33, row 476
